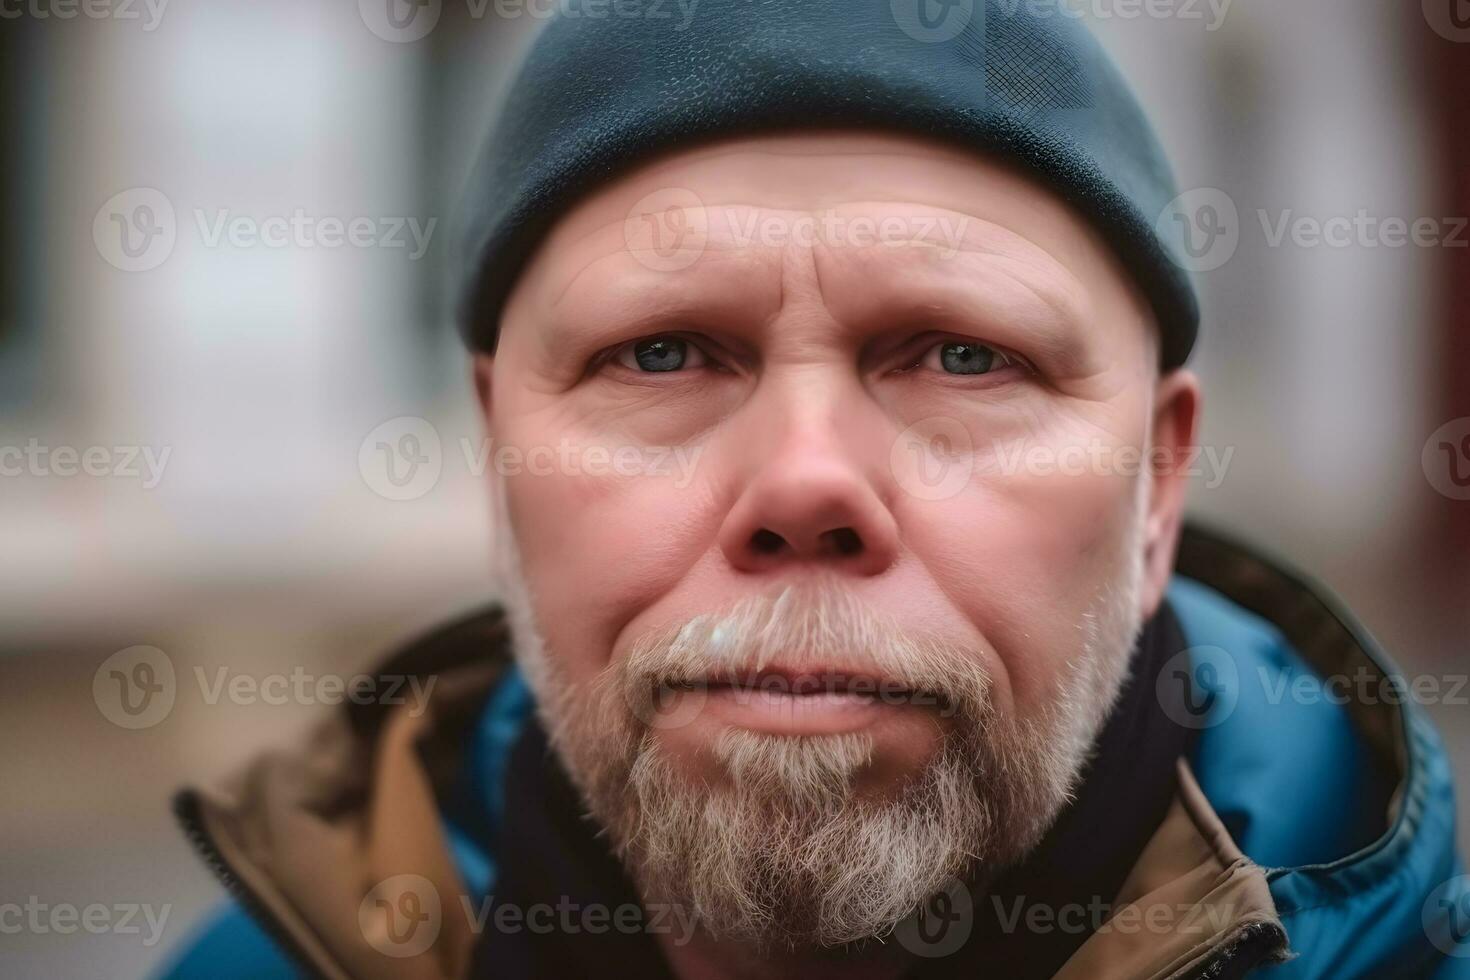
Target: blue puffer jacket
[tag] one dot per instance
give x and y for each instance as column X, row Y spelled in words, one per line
column 1305, row 731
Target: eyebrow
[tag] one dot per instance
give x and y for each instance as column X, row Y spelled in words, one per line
column 1007, row 288
column 629, row 298
column 1029, row 301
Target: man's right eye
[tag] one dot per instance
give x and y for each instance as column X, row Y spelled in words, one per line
column 660, row 355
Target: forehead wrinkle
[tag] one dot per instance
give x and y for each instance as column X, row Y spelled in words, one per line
column 693, row 272
column 714, row 245
column 1066, row 297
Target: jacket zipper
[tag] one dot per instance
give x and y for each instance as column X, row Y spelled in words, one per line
column 186, row 810
column 1259, row 944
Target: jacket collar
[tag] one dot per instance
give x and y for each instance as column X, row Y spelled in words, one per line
column 1322, row 765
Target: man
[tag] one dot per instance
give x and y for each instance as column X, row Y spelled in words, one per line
column 854, row 632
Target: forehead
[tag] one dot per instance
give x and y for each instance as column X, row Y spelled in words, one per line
column 751, row 198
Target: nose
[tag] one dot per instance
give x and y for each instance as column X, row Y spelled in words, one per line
column 811, row 501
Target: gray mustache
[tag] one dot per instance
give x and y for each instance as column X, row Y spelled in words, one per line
column 805, row 640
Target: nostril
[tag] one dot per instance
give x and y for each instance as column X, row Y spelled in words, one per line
column 844, row 540
column 765, row 542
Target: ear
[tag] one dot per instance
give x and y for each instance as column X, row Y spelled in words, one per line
column 1173, row 436
column 484, row 364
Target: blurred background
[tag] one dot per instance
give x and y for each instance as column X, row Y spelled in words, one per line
column 221, row 393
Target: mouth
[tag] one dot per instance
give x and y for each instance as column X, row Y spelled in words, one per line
column 802, row 702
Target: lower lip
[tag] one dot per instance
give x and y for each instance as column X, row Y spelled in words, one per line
column 819, row 713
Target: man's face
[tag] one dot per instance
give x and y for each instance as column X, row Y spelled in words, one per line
column 829, row 462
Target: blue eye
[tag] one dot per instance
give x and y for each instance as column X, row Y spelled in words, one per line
column 657, row 355
column 964, row 357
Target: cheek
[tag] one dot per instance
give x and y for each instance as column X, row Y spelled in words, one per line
column 598, row 546
column 1035, row 550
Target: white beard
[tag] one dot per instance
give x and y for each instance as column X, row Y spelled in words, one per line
column 784, row 852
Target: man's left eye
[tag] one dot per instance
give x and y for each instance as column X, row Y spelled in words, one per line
column 964, row 357
column 659, row 355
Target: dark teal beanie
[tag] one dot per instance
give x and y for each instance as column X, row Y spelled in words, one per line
column 608, row 83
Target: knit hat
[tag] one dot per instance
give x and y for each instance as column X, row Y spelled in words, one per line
column 609, row 83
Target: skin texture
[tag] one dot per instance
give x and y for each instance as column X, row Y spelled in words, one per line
column 820, row 418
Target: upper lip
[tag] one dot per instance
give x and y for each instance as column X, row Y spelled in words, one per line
column 802, row 680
